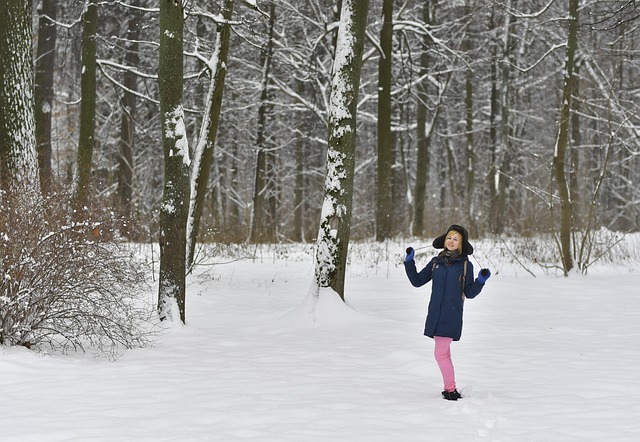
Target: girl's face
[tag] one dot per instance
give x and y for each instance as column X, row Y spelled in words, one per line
column 453, row 241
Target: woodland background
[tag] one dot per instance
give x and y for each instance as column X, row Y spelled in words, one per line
column 477, row 85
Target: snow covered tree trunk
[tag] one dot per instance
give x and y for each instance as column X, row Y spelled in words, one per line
column 87, row 104
column 18, row 157
column 560, row 149
column 45, row 68
column 384, row 187
column 175, row 200
column 335, row 220
column 203, row 154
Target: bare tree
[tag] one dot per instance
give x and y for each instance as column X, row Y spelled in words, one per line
column 203, row 153
column 560, row 147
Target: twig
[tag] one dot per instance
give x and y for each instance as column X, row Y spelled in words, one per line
column 516, row 258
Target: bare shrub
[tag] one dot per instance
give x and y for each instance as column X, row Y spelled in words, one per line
column 67, row 284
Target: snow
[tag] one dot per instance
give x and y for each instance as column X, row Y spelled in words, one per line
column 541, row 359
column 175, row 129
column 341, row 87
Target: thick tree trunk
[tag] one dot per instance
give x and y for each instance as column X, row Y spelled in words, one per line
column 175, row 200
column 87, row 105
column 18, row 157
column 335, row 221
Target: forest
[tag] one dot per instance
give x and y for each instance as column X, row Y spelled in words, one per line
column 468, row 127
column 509, row 117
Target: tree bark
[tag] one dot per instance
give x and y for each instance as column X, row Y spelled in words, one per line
column 175, row 199
column 18, row 156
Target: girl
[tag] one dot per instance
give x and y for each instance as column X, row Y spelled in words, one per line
column 452, row 276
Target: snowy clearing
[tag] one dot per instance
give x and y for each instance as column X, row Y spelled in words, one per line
column 543, row 358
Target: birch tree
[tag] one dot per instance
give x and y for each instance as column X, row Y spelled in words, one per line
column 18, row 163
column 335, row 220
column 175, row 200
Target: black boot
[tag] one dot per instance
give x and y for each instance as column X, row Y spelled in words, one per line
column 451, row 395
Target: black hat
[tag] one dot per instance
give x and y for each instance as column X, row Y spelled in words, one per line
column 467, row 248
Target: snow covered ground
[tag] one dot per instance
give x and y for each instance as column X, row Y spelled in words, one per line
column 542, row 358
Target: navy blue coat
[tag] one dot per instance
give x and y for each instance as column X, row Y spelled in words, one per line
column 444, row 315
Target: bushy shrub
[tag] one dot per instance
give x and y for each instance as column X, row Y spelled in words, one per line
column 67, row 284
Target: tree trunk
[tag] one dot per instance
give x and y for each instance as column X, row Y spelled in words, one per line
column 335, row 220
column 203, row 154
column 470, row 169
column 502, row 155
column 45, row 67
column 575, row 193
column 87, row 105
column 425, row 127
column 18, row 156
column 260, row 222
column 175, row 200
column 298, row 192
column 561, row 142
column 127, row 123
column 492, row 174
column 384, row 186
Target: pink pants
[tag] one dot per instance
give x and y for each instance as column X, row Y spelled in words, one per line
column 442, row 354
